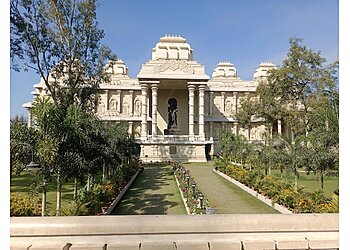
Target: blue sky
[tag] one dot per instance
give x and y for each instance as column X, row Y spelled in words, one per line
column 242, row 32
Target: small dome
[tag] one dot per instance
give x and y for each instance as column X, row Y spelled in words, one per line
column 262, row 69
column 224, row 69
column 172, row 47
column 117, row 67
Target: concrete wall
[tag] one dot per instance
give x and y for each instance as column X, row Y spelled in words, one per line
column 204, row 232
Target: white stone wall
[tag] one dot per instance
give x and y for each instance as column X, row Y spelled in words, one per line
column 170, row 72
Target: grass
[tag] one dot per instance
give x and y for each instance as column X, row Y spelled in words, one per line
column 224, row 195
column 153, row 192
column 310, row 182
column 22, row 183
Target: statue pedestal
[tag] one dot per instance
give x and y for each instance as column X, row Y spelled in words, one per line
column 172, row 131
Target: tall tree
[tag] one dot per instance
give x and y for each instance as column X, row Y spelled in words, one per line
column 293, row 90
column 323, row 139
column 61, row 41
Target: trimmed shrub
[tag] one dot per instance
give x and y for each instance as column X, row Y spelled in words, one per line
column 283, row 192
column 24, row 205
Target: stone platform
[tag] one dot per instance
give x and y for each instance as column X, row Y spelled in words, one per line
column 181, row 232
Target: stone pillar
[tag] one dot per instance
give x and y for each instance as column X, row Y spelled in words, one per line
column 201, row 133
column 29, row 124
column 144, row 131
column 223, row 102
column 148, row 103
column 130, row 130
column 154, row 108
column 279, row 127
column 211, row 102
column 211, row 128
column 106, row 100
column 119, row 100
column 131, row 102
column 235, row 128
column 191, row 111
column 234, row 95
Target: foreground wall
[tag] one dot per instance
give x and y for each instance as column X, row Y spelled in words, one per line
column 171, row 151
column 248, row 232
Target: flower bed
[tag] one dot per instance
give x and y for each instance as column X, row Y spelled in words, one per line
column 194, row 200
column 102, row 195
column 282, row 192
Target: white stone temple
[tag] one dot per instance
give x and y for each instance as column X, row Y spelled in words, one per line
column 173, row 108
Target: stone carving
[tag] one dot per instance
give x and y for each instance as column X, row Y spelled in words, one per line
column 113, row 104
column 228, row 107
column 173, row 66
column 138, row 107
column 138, row 131
column 125, row 108
column 124, row 83
column 100, row 107
column 115, row 82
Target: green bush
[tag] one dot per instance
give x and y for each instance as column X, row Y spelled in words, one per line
column 22, row 205
column 282, row 192
column 102, row 195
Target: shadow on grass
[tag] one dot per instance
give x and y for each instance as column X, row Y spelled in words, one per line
column 148, row 194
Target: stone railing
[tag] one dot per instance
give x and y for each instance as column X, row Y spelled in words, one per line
column 248, row 232
column 174, row 138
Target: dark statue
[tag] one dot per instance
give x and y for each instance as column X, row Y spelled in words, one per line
column 172, row 118
column 172, row 113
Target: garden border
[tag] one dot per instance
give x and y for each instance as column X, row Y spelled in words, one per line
column 183, row 199
column 121, row 194
column 254, row 193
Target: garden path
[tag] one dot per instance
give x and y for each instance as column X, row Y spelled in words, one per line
column 222, row 194
column 153, row 192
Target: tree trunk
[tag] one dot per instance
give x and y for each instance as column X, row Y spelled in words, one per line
column 75, row 190
column 103, row 172
column 281, row 170
column 88, row 188
column 43, row 203
column 58, row 195
column 249, row 132
column 322, row 179
column 295, row 182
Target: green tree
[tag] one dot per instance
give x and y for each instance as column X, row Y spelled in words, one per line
column 293, row 90
column 323, row 139
column 232, row 147
column 61, row 41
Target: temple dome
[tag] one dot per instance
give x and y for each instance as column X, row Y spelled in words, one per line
column 172, row 47
column 117, row 68
column 262, row 69
column 224, row 69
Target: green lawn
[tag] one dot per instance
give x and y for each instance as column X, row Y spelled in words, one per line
column 153, row 192
column 310, row 183
column 21, row 184
column 224, row 195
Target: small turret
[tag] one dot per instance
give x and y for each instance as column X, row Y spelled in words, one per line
column 262, row 69
column 224, row 69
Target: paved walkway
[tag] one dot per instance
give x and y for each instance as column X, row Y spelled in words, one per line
column 153, row 192
column 224, row 195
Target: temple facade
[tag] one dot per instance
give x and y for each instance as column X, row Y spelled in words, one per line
column 173, row 108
